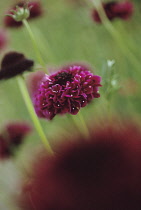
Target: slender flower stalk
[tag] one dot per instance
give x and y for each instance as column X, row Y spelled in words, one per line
column 44, row 44
column 84, row 128
column 37, row 51
column 127, row 39
column 80, row 123
column 116, row 36
column 31, row 111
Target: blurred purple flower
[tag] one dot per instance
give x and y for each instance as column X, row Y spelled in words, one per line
column 12, row 136
column 66, row 91
column 17, row 131
column 35, row 11
column 122, row 10
column 102, row 173
column 3, row 39
column 13, row 64
column 4, row 149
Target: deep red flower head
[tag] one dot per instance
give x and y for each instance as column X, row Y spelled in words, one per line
column 3, row 39
column 13, row 64
column 66, row 91
column 17, row 131
column 35, row 11
column 123, row 10
column 4, row 149
column 103, row 173
column 12, row 136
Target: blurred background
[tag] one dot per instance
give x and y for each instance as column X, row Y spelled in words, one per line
column 66, row 33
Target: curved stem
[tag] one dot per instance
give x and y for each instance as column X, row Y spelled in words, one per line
column 32, row 114
column 37, row 51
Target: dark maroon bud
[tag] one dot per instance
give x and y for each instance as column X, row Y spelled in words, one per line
column 14, row 64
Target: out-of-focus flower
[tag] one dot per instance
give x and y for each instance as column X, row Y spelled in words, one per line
column 103, row 173
column 3, row 39
column 35, row 11
column 4, row 149
column 17, row 131
column 12, row 136
column 66, row 91
column 122, row 10
column 13, row 64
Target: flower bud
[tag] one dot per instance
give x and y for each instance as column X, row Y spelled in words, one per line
column 20, row 14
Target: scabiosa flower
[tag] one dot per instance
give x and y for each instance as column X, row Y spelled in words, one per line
column 103, row 173
column 66, row 91
column 122, row 10
column 13, row 64
column 35, row 11
column 3, row 39
column 12, row 136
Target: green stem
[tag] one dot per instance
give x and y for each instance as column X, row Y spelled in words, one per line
column 84, row 126
column 31, row 111
column 116, row 36
column 127, row 38
column 81, row 125
column 44, row 44
column 37, row 51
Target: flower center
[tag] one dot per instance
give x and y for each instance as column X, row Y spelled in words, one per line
column 63, row 77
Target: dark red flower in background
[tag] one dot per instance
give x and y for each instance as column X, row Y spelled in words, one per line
column 4, row 149
column 13, row 64
column 122, row 10
column 102, row 173
column 35, row 11
column 17, row 131
column 12, row 136
column 66, row 91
